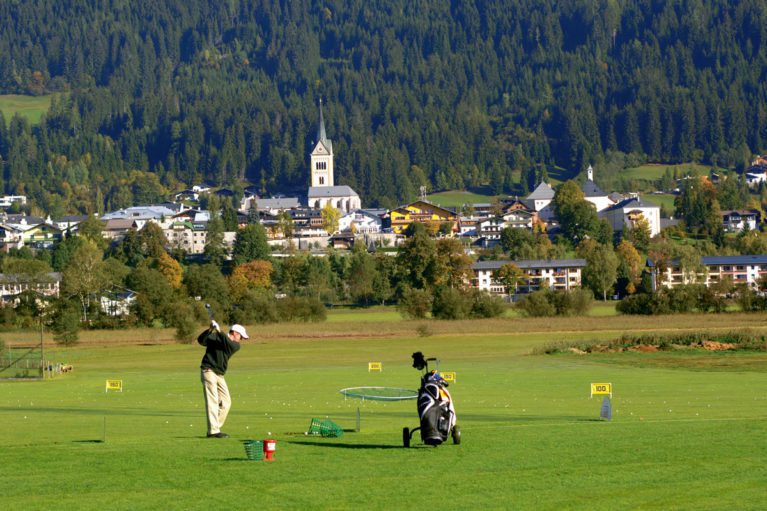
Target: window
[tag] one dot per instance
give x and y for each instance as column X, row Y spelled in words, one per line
column 322, row 180
column 321, row 165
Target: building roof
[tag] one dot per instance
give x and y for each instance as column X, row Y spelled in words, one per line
column 542, row 192
column 531, row 263
column 632, row 202
column 740, row 212
column 117, row 224
column 11, row 278
column 142, row 212
column 590, row 189
column 740, row 260
column 331, row 191
column 278, row 203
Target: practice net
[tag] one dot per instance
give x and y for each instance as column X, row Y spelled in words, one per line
column 380, row 393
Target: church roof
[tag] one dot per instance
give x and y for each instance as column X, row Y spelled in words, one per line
column 331, row 191
column 542, row 192
column 590, row 189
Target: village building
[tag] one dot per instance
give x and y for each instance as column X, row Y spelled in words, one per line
column 420, row 211
column 626, row 213
column 556, row 274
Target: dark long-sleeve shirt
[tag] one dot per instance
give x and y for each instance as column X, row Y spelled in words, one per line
column 218, row 349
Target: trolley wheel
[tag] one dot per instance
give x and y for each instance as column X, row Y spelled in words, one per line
column 456, row 433
column 406, row 437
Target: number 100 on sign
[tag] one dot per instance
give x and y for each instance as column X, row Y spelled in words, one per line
column 601, row 389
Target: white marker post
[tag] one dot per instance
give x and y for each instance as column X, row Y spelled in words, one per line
column 604, row 389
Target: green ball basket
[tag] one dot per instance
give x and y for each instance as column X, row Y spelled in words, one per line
column 254, row 450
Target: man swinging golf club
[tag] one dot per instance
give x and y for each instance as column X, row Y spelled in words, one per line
column 219, row 348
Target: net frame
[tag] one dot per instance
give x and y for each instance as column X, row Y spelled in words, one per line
column 379, row 393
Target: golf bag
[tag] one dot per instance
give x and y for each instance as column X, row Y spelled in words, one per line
column 435, row 407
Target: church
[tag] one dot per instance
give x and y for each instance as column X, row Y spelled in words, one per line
column 323, row 189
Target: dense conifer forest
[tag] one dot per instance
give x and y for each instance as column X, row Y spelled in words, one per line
column 153, row 96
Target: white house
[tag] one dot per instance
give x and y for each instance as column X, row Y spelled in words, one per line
column 7, row 201
column 739, row 220
column 540, row 201
column 360, row 221
column 624, row 214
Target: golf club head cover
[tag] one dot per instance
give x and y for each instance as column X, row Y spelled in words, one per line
column 418, row 361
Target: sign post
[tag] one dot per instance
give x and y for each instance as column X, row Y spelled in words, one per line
column 116, row 385
column 606, row 390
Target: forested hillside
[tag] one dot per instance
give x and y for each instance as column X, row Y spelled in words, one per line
column 160, row 94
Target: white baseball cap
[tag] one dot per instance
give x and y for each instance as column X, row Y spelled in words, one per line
column 240, row 330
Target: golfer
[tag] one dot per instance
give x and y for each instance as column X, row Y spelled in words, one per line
column 218, row 349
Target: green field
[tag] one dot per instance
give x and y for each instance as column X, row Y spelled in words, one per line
column 687, row 429
column 457, row 198
column 31, row 107
column 654, row 171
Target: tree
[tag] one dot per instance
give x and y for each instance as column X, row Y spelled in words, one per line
column 629, row 266
column 361, row 275
column 698, row 205
column 453, row 264
column 286, row 224
column 601, row 269
column 577, row 216
column 85, row 277
column 65, row 322
column 250, row 275
column 638, row 234
column 251, row 244
column 93, row 229
column 154, row 296
column 382, row 282
column 416, row 260
column 214, row 242
column 170, row 269
column 690, row 263
column 511, row 276
column 330, row 218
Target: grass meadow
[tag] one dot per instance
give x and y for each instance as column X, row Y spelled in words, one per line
column 687, row 431
column 655, row 171
column 31, row 107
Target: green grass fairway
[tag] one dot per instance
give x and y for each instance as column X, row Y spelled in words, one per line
column 687, row 431
column 31, row 107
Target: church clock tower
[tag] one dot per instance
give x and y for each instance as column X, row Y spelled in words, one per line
column 322, row 157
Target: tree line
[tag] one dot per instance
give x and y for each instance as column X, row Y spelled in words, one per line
column 157, row 95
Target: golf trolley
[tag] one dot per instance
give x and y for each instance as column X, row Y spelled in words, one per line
column 435, row 407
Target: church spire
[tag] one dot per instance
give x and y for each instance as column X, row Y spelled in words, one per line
column 321, row 136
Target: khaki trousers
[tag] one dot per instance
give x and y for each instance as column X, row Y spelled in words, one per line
column 217, row 400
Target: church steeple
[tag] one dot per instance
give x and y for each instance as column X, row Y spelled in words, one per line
column 322, row 156
column 321, row 137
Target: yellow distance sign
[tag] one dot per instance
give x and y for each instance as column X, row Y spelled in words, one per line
column 601, row 389
column 116, row 385
column 449, row 376
column 375, row 366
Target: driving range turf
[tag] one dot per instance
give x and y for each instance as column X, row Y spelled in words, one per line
column 688, row 429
